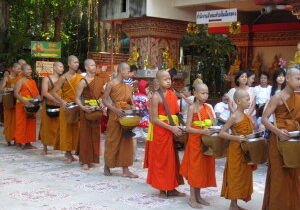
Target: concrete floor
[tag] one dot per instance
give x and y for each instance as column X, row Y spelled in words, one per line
column 31, row 181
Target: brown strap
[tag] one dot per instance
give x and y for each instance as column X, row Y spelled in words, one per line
column 51, row 82
column 28, row 87
column 70, row 84
column 292, row 116
column 90, row 89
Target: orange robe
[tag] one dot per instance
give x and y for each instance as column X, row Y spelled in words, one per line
column 197, row 168
column 237, row 177
column 89, row 137
column 25, row 131
column 49, row 128
column 118, row 148
column 162, row 165
column 9, row 115
column 282, row 189
column 69, row 133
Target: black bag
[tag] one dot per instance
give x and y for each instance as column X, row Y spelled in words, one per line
column 51, row 112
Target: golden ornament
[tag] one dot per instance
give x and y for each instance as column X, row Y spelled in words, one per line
column 235, row 28
column 192, row 29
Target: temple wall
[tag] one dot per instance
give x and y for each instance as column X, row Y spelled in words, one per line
column 268, row 54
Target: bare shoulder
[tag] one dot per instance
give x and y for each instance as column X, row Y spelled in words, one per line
column 156, row 97
column 192, row 108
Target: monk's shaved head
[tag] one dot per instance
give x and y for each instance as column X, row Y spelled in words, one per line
column 71, row 58
column 292, row 72
column 24, row 66
column 121, row 66
column 21, row 61
column 161, row 73
column 16, row 65
column 201, row 87
column 56, row 64
column 239, row 94
column 88, row 61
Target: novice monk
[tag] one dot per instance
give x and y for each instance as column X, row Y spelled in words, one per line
column 237, row 178
column 69, row 132
column 163, row 164
column 282, row 189
column 91, row 88
column 25, row 89
column 118, row 148
column 10, row 113
column 49, row 130
column 197, row 168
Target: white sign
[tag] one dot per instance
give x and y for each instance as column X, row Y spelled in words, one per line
column 216, row 16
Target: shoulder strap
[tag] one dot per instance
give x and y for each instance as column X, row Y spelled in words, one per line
column 25, row 83
column 180, row 105
column 91, row 91
column 166, row 107
column 51, row 82
column 290, row 113
column 70, row 84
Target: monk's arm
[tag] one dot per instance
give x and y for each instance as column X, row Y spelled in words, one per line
column 230, row 105
column 45, row 88
column 270, row 109
column 17, row 90
column 106, row 103
column 78, row 94
column 58, row 85
column 230, row 122
column 4, row 83
column 174, row 129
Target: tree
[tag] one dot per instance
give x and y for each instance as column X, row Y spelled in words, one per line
column 3, row 24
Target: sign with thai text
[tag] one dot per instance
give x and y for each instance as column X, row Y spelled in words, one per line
column 44, row 68
column 45, row 49
column 216, row 16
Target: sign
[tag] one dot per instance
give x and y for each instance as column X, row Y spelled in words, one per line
column 45, row 49
column 44, row 68
column 216, row 16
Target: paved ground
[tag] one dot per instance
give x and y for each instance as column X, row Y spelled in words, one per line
column 31, row 181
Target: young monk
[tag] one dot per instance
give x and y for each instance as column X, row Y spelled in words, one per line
column 163, row 165
column 69, row 132
column 10, row 113
column 91, row 88
column 237, row 178
column 197, row 168
column 22, row 62
column 118, row 148
column 49, row 130
column 25, row 90
column 282, row 189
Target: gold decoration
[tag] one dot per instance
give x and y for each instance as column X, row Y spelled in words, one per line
column 235, row 67
column 147, row 64
column 134, row 56
column 235, row 28
column 168, row 62
column 275, row 65
column 257, row 65
column 297, row 54
column 192, row 29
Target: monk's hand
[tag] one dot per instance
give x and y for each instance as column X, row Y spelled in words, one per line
column 207, row 132
column 27, row 103
column 119, row 112
column 176, row 130
column 283, row 135
column 241, row 138
column 86, row 108
column 64, row 105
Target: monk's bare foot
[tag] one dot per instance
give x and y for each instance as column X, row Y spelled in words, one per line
column 73, row 158
column 129, row 174
column 29, row 146
column 44, row 152
column 8, row 144
column 69, row 160
column 85, row 167
column 240, row 208
column 107, row 171
column 202, row 201
column 194, row 204
column 92, row 165
column 175, row 193
column 162, row 194
column 19, row 147
column 234, row 208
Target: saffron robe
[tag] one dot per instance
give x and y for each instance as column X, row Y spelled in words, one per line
column 237, row 177
column 25, row 131
column 49, row 128
column 282, row 189
column 118, row 148
column 89, row 137
column 197, row 168
column 9, row 115
column 162, row 166
column 69, row 133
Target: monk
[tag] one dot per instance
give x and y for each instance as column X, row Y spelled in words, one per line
column 22, row 62
column 49, row 130
column 237, row 178
column 197, row 168
column 282, row 189
column 163, row 168
column 25, row 90
column 91, row 89
column 10, row 113
column 69, row 132
column 118, row 148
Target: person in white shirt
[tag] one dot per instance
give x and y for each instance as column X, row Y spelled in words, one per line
column 186, row 100
column 222, row 110
column 263, row 93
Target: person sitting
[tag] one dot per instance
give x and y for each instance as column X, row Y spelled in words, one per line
column 222, row 110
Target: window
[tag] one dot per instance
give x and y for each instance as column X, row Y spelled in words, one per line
column 124, row 5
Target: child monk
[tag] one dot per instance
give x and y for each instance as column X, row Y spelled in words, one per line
column 282, row 189
column 237, row 178
column 25, row 90
column 49, row 130
column 163, row 166
column 197, row 168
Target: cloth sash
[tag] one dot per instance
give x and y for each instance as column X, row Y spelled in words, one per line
column 25, row 98
column 204, row 123
column 91, row 102
column 162, row 118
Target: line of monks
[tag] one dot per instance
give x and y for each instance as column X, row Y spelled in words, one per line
column 165, row 173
